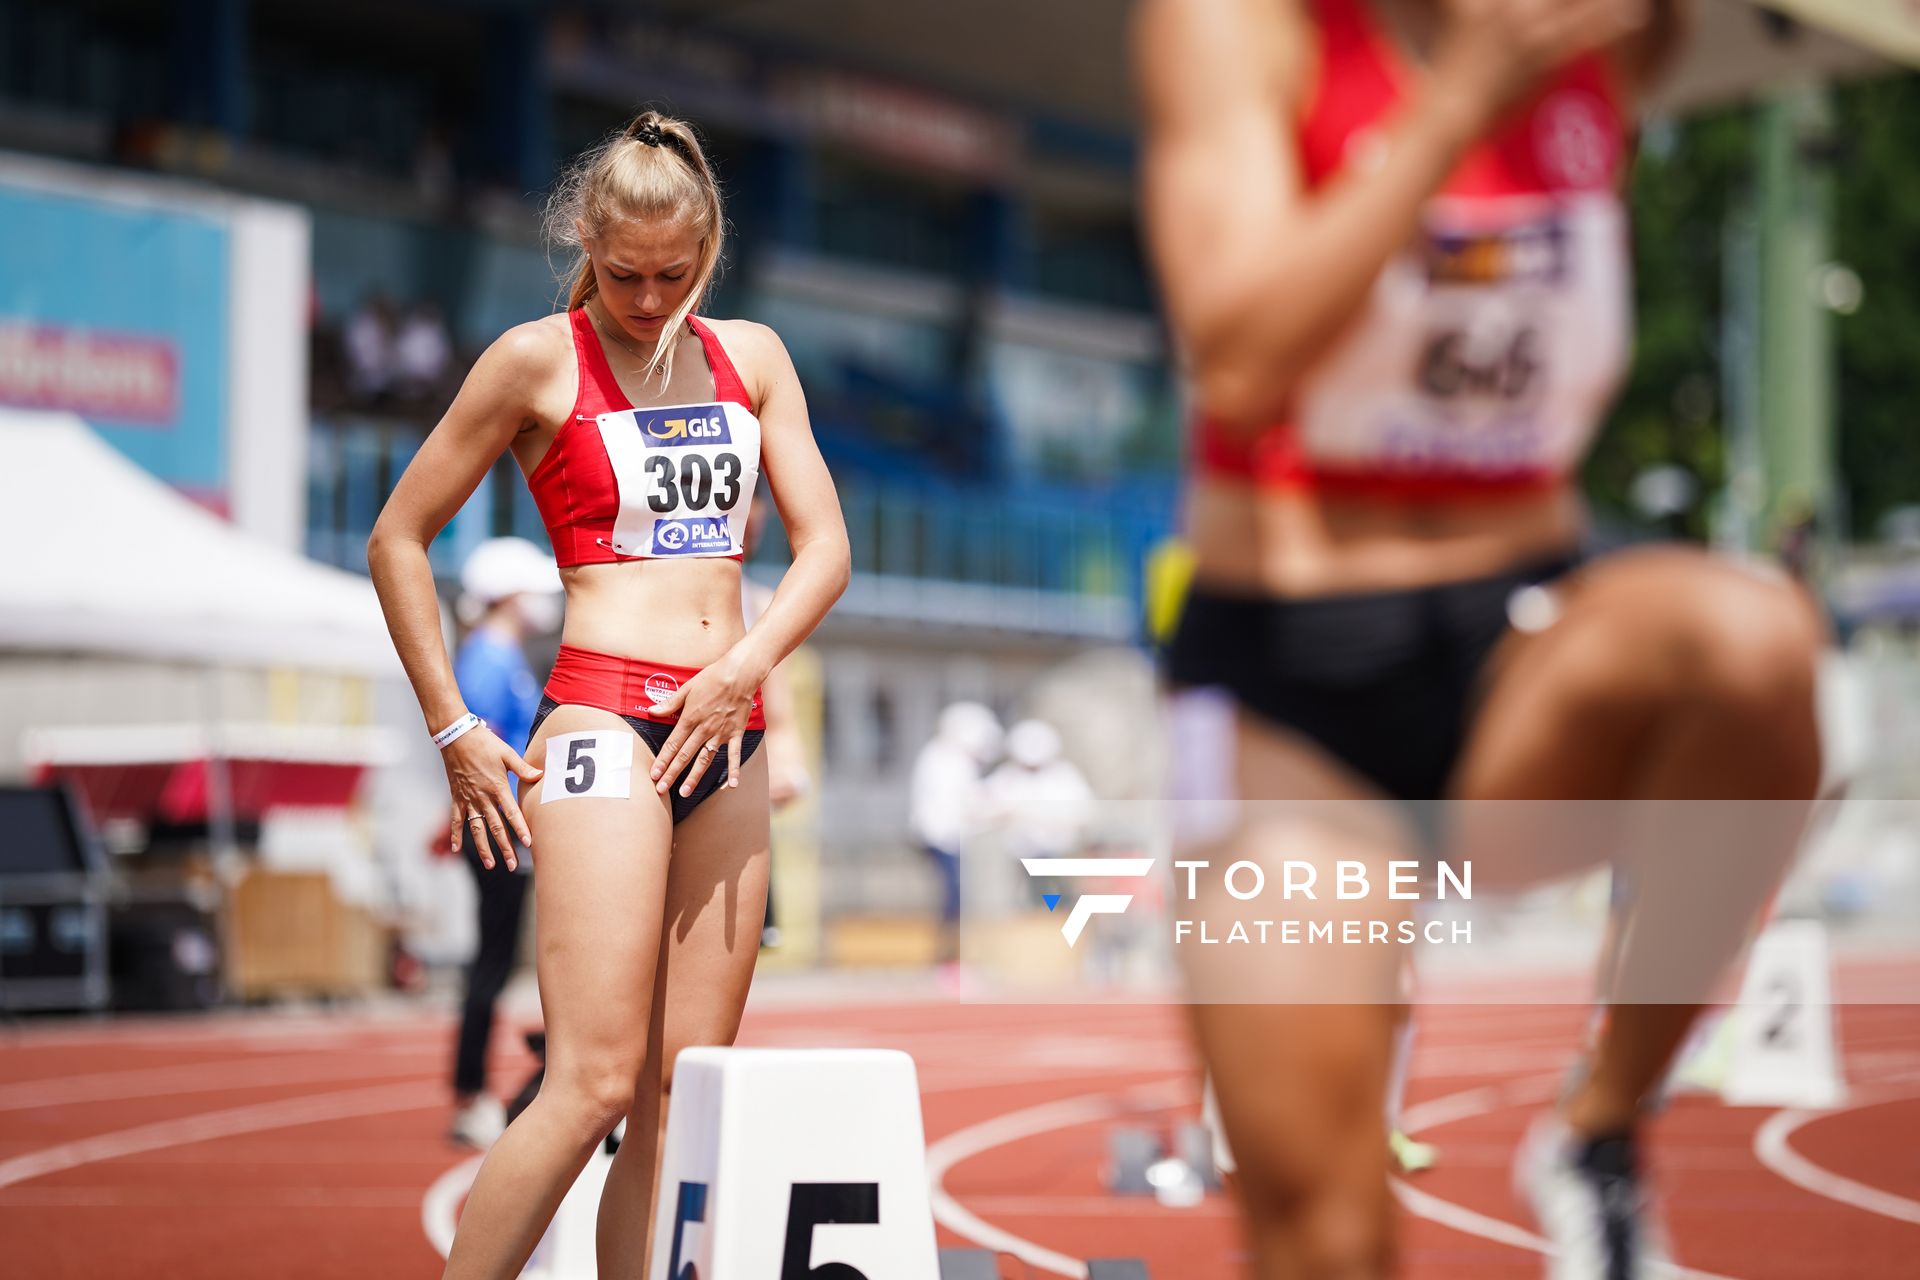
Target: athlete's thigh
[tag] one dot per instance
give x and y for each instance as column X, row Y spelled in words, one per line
column 600, row 838
column 1260, row 919
column 715, row 904
column 1563, row 735
column 1301, row 1090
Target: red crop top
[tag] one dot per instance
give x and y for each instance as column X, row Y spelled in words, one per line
column 1490, row 347
column 620, row 483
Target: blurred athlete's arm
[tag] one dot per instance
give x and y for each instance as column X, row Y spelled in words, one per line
column 496, row 403
column 1646, row 57
column 1259, row 275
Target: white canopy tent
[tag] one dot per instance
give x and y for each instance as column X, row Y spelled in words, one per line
column 103, row 558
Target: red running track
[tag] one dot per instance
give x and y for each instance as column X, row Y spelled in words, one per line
column 249, row 1145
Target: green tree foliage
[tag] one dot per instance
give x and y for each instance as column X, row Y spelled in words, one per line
column 1686, row 179
column 1877, row 233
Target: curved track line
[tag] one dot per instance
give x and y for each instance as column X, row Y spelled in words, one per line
column 1770, row 1144
column 285, row 1113
column 198, row 1077
column 1466, row 1105
column 1013, row 1126
column 439, row 1208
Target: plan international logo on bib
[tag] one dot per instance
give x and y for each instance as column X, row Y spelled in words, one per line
column 692, row 536
column 689, row 424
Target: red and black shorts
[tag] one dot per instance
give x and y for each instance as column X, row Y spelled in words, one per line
column 632, row 688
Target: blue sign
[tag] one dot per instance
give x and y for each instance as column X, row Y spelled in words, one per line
column 119, row 313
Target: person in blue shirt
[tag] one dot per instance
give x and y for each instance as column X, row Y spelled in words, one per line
column 509, row 593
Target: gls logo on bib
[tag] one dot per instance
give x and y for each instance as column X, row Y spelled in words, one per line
column 702, row 424
column 691, row 536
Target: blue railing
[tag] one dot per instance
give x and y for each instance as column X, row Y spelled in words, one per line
column 1031, row 541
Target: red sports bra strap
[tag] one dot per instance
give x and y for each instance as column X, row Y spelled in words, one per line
column 727, row 384
column 599, row 390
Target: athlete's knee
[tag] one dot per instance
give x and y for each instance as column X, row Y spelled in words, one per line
column 599, row 1089
column 1321, row 1230
column 1752, row 649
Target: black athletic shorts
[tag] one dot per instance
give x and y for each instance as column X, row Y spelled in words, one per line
column 1385, row 682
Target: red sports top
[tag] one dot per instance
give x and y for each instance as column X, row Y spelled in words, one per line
column 620, row 483
column 1491, row 346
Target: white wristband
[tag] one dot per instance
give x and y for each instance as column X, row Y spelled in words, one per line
column 446, row 736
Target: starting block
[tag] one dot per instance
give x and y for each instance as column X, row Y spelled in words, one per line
column 1131, row 1152
column 969, row 1264
column 794, row 1164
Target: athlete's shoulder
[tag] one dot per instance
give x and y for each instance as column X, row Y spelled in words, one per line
column 535, row 346
column 1256, row 53
column 754, row 348
column 745, row 335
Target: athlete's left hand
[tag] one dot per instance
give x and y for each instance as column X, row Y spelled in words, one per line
column 713, row 710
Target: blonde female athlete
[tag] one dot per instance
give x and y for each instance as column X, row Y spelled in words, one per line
column 641, row 429
column 1390, row 237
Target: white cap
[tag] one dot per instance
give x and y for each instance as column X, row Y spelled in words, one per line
column 1033, row 743
column 973, row 728
column 502, row 567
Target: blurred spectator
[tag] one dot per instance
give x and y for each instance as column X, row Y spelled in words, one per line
column 433, row 169
column 1039, row 796
column 369, row 342
column 946, row 808
column 510, row 591
column 422, row 353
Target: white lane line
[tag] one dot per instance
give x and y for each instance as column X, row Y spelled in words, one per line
column 440, row 1208
column 287, row 1112
column 230, row 1031
column 198, row 1077
column 1465, row 1105
column 1771, row 1145
column 1013, row 1126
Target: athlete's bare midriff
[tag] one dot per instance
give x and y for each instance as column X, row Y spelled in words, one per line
column 682, row 612
column 1299, row 543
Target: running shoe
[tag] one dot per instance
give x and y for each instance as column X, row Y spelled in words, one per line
column 1409, row 1156
column 1591, row 1203
column 480, row 1123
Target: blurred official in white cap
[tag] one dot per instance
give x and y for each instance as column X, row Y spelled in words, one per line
column 509, row 591
column 1039, row 795
column 944, row 807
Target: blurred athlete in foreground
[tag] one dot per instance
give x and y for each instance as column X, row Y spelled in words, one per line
column 641, row 430
column 1392, row 243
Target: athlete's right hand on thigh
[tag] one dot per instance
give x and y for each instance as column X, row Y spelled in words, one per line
column 1492, row 52
column 477, row 765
